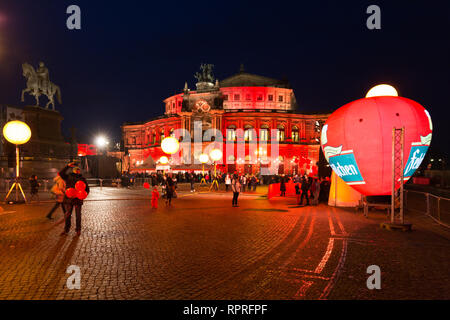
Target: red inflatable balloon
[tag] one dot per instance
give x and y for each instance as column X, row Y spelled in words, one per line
column 82, row 194
column 357, row 141
column 71, row 193
column 146, row 185
column 80, row 185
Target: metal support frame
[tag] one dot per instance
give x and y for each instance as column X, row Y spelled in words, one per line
column 215, row 183
column 16, row 183
column 203, row 181
column 398, row 138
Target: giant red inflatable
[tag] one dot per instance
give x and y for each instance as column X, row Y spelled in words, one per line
column 357, row 141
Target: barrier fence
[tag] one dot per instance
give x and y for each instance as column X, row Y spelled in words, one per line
column 437, row 208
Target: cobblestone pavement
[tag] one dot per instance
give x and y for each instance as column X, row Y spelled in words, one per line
column 202, row 248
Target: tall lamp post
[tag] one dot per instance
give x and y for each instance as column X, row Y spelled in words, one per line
column 18, row 133
column 216, row 155
column 204, row 158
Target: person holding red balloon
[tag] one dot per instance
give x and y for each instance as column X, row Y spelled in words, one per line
column 77, row 190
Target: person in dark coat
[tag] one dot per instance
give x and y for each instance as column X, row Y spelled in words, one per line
column 71, row 178
column 154, row 180
column 170, row 189
column 283, row 187
column 305, row 190
column 298, row 192
column 34, row 187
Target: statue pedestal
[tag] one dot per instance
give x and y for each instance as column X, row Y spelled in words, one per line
column 46, row 138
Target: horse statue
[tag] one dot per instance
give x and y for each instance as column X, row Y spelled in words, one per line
column 37, row 85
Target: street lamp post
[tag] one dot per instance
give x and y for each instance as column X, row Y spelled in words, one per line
column 17, row 132
column 164, row 160
column 169, row 146
column 216, row 155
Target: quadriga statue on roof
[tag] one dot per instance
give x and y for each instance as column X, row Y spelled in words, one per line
column 38, row 83
column 206, row 75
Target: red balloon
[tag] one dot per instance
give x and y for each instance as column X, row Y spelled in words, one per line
column 80, row 185
column 357, row 141
column 71, row 193
column 82, row 194
column 146, row 185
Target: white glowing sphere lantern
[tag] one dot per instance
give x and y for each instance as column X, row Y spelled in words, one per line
column 17, row 132
column 204, row 158
column 170, row 145
column 382, row 90
column 164, row 160
column 216, row 154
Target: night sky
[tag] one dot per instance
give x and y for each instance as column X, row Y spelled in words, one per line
column 131, row 55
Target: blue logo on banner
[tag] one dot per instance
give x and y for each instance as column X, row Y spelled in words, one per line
column 415, row 159
column 345, row 167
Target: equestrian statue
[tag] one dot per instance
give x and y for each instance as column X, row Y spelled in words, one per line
column 38, row 83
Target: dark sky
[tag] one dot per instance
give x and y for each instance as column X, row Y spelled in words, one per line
column 131, row 55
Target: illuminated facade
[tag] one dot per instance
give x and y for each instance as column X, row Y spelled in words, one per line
column 244, row 108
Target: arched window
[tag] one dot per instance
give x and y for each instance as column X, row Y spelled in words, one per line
column 264, row 133
column 281, row 133
column 231, row 133
column 162, row 136
column 295, row 136
column 153, row 137
column 248, row 133
column 172, row 132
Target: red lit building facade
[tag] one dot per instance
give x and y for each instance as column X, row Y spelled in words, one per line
column 246, row 109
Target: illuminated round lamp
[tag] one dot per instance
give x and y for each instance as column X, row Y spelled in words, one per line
column 17, row 132
column 382, row 90
column 204, row 158
column 216, row 154
column 164, row 160
column 170, row 145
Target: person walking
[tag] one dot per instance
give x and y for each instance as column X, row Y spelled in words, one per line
column 71, row 180
column 315, row 191
column 59, row 190
column 227, row 182
column 34, row 187
column 236, row 188
column 155, row 197
column 298, row 192
column 243, row 182
column 283, row 187
column 305, row 189
column 192, row 181
column 170, row 189
column 255, row 182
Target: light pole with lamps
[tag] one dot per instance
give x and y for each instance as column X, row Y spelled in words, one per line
column 164, row 160
column 169, row 146
column 17, row 132
column 216, row 155
column 204, row 158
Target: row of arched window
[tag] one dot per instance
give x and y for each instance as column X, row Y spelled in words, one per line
column 264, row 133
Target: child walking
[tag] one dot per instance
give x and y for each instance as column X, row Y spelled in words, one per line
column 155, row 197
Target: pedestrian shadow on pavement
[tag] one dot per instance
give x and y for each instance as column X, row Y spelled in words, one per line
column 56, row 275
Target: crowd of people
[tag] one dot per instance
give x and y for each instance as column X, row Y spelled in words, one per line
column 309, row 189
